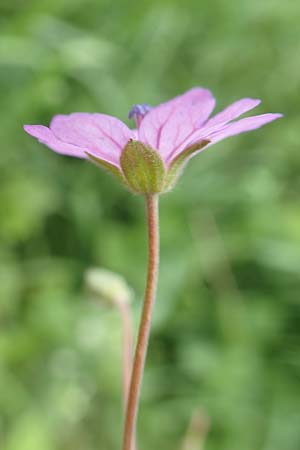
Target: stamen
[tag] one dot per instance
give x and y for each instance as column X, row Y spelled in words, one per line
column 138, row 112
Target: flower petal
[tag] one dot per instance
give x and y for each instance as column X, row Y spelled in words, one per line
column 233, row 111
column 242, row 126
column 46, row 136
column 238, row 127
column 219, row 120
column 99, row 134
column 167, row 126
column 217, row 132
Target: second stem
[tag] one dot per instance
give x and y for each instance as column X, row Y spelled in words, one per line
column 145, row 324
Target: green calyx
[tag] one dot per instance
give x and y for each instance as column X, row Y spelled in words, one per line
column 143, row 170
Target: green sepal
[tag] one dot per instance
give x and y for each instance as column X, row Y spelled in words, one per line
column 143, row 168
column 107, row 166
column 179, row 163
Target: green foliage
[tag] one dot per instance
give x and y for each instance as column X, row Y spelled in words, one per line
column 226, row 329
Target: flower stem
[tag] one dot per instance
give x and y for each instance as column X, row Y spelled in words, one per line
column 145, row 324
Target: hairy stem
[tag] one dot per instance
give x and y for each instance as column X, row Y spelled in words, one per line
column 145, row 324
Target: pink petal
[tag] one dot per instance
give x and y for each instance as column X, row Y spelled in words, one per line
column 135, row 134
column 45, row 136
column 100, row 134
column 233, row 111
column 218, row 132
column 167, row 126
column 242, row 126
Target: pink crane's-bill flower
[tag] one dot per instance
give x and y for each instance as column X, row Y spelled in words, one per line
column 148, row 159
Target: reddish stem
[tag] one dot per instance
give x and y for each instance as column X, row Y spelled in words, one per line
column 145, row 324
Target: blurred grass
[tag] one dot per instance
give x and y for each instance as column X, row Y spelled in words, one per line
column 226, row 330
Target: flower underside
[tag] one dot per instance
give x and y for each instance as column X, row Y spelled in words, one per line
column 149, row 158
column 142, row 169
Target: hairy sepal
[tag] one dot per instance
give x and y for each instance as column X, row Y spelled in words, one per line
column 177, row 165
column 143, row 168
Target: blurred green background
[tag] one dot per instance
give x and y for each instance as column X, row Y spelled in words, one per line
column 226, row 328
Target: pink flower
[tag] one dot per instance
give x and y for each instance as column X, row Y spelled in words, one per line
column 173, row 132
